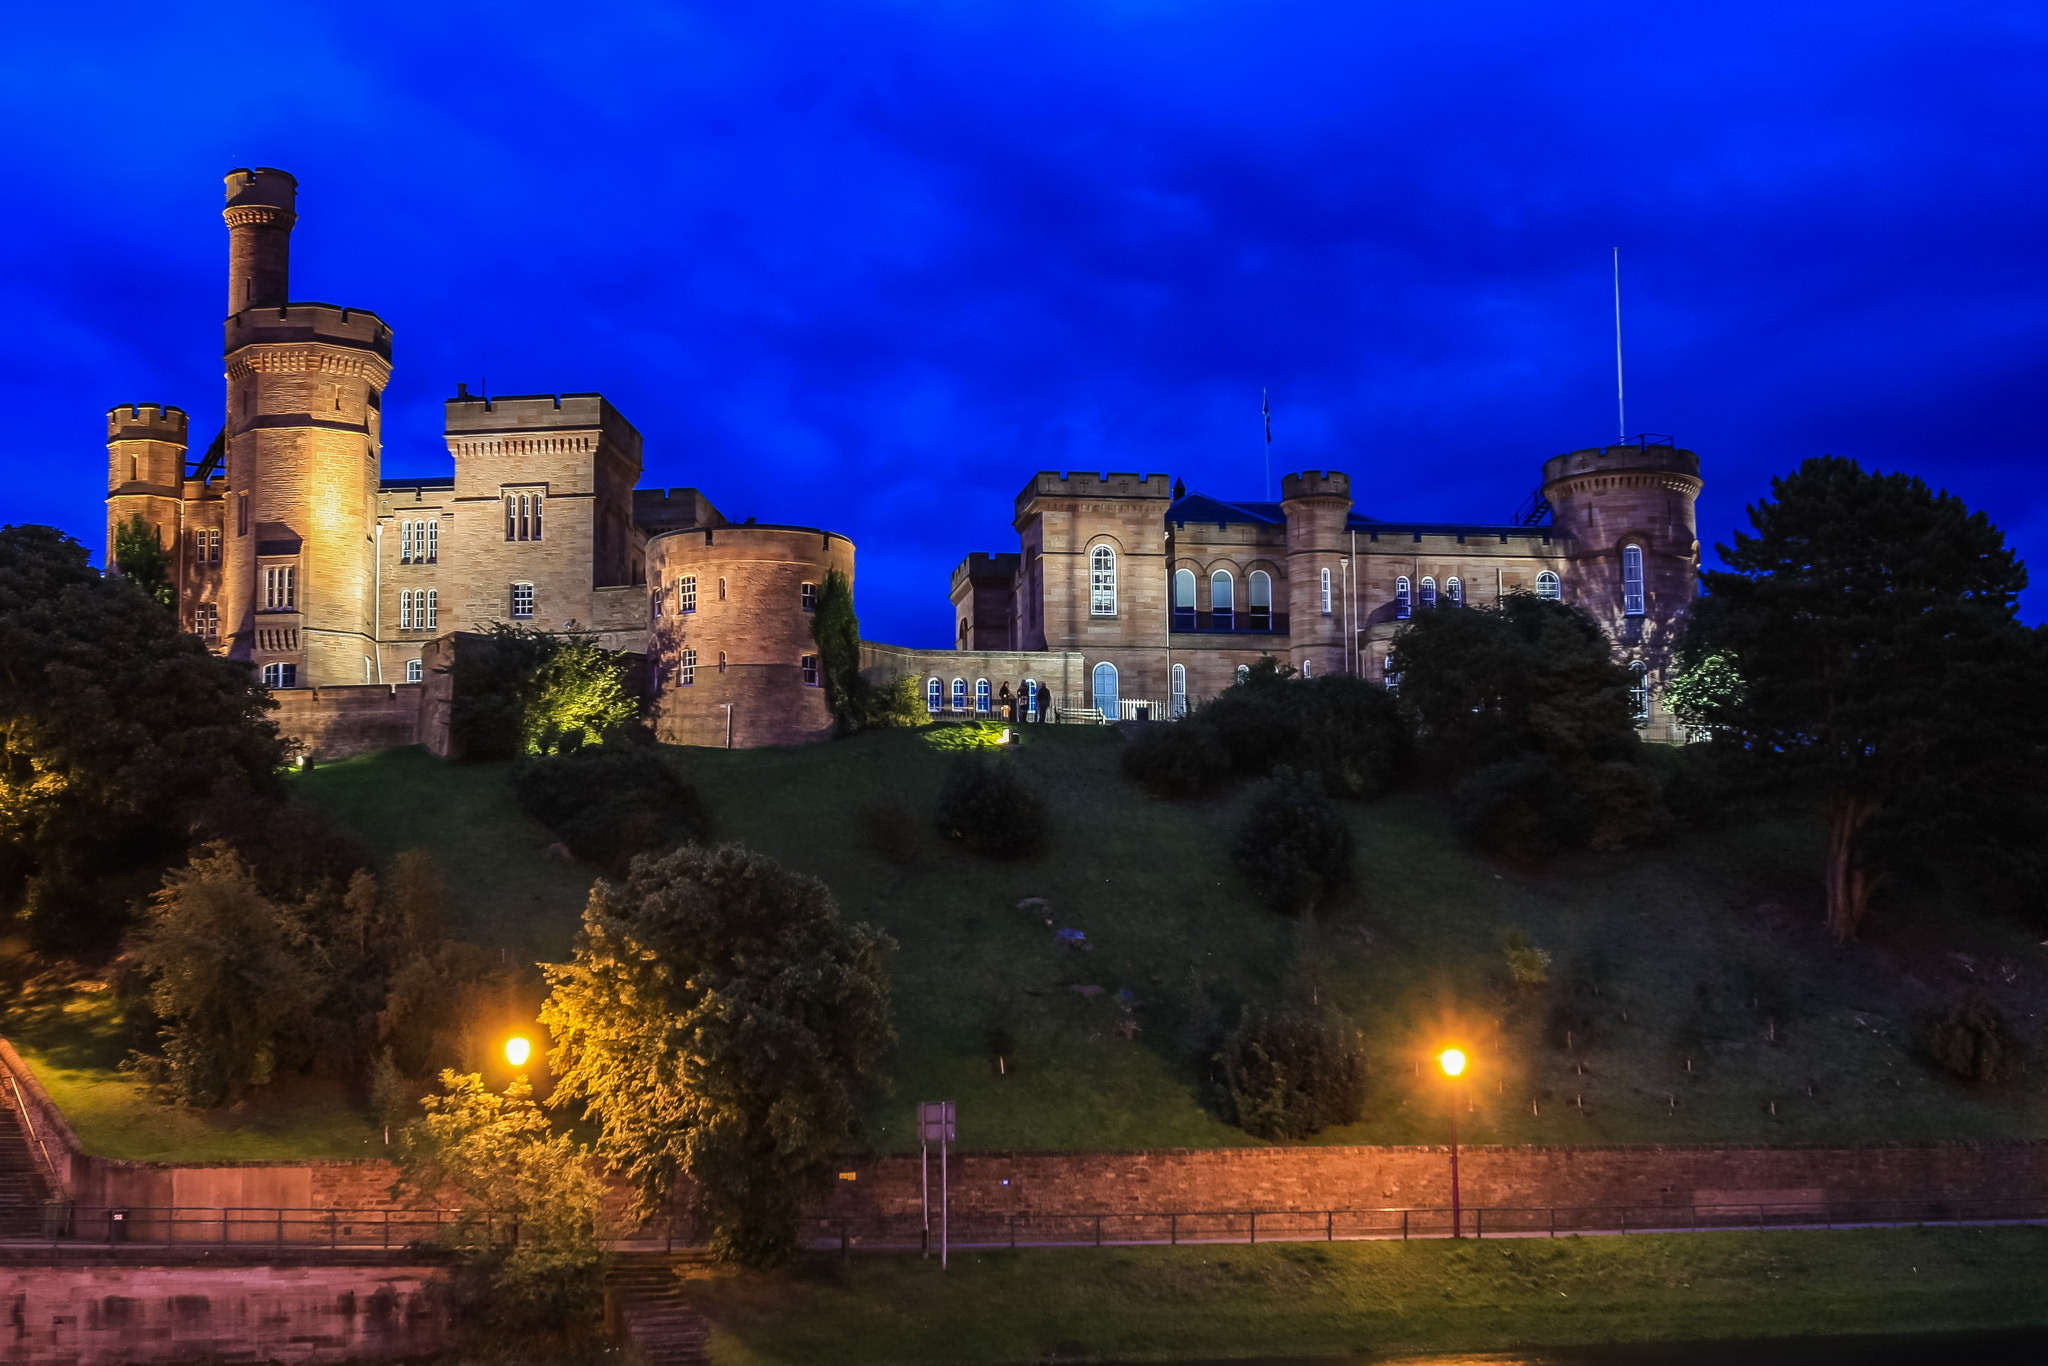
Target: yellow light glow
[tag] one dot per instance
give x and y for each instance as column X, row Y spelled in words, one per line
column 1452, row 1060
column 517, row 1051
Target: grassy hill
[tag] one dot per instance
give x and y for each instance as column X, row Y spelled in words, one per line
column 1707, row 950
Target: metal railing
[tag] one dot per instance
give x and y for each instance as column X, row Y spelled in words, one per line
column 28, row 1122
column 1252, row 620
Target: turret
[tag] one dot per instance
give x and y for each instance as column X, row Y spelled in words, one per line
column 262, row 206
column 145, row 468
column 1317, row 505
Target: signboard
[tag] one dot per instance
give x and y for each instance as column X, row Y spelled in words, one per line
column 935, row 1121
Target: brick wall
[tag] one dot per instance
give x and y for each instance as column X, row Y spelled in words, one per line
column 334, row 723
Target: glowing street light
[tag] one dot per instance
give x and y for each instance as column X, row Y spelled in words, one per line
column 517, row 1050
column 1452, row 1060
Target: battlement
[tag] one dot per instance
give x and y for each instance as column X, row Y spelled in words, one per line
column 328, row 324
column 658, row 510
column 1634, row 456
column 146, row 422
column 472, row 416
column 1315, row 484
column 1000, row 566
column 1087, row 484
column 263, row 187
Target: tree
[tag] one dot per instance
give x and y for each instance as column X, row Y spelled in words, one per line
column 522, row 692
column 836, row 630
column 718, row 1020
column 1291, row 1074
column 114, row 727
column 1865, row 636
column 1293, row 846
column 140, row 558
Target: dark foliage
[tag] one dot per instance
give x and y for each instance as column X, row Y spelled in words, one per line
column 520, row 692
column 1352, row 734
column 990, row 808
column 1972, row 1038
column 140, row 559
column 610, row 802
column 1521, row 809
column 1290, row 1074
column 1293, row 847
column 836, row 630
column 1184, row 759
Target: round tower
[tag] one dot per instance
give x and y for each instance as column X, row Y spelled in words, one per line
column 262, row 206
column 145, row 471
column 1317, row 506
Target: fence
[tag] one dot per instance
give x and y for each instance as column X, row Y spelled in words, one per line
column 61, row 1224
column 880, row 1232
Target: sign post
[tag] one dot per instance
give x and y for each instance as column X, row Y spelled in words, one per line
column 935, row 1121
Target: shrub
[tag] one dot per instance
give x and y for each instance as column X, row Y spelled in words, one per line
column 1353, row 734
column 1258, row 721
column 611, row 802
column 1521, row 809
column 895, row 705
column 1290, row 1075
column 987, row 806
column 1624, row 805
column 1293, row 846
column 1972, row 1038
column 522, row 692
column 965, row 735
column 1528, row 966
column 888, row 827
column 1185, row 759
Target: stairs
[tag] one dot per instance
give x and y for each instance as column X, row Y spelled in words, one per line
column 644, row 1297
column 24, row 1184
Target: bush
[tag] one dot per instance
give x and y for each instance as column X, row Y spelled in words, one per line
column 895, row 705
column 1528, row 966
column 1290, row 1075
column 1520, row 809
column 1185, row 759
column 965, row 735
column 1972, row 1038
column 987, row 806
column 611, row 802
column 1293, row 846
column 1258, row 721
column 521, row 692
column 1353, row 734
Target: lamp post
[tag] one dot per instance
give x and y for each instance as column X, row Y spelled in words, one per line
column 517, row 1050
column 1452, row 1060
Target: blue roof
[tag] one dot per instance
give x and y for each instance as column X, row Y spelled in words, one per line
column 1200, row 507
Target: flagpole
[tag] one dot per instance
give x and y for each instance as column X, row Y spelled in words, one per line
column 1620, row 401
column 1266, row 408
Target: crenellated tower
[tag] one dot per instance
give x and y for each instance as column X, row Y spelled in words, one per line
column 146, row 471
column 1317, row 505
column 305, row 387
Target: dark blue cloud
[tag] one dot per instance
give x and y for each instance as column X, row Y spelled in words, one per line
column 869, row 266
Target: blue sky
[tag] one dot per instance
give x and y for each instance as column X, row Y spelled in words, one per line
column 868, row 266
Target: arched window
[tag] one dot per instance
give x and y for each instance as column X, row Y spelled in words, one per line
column 1244, row 672
column 1401, row 605
column 1632, row 580
column 1428, row 593
column 1102, row 581
column 959, row 694
column 1222, row 599
column 1549, row 586
column 1308, row 668
column 1326, row 592
column 934, row 694
column 981, row 695
column 1639, row 691
column 1454, row 592
column 415, row 671
column 1183, row 599
column 1031, row 698
column 405, row 609
column 1105, row 690
column 1260, row 589
column 1180, row 690
column 433, row 621
column 1389, row 676
column 721, row 590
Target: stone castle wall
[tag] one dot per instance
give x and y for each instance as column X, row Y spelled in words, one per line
column 337, row 722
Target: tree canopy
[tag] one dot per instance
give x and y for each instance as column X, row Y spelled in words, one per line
column 717, row 1020
column 140, row 557
column 1865, row 635
column 521, row 692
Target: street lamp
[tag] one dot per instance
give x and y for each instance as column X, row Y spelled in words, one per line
column 517, row 1050
column 1452, row 1060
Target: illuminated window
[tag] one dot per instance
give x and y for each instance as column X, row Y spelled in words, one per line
column 1260, row 589
column 810, row 666
column 686, row 593
column 1184, row 599
column 1454, row 592
column 415, row 671
column 981, row 695
column 522, row 601
column 1401, row 604
column 1180, row 690
column 208, row 622
column 1222, row 599
column 1428, row 593
column 1308, row 668
column 405, row 542
column 213, row 546
column 959, row 694
column 686, row 669
column 1102, row 582
column 405, row 609
column 1105, row 690
column 1549, row 586
column 1632, row 580
column 280, row 675
column 1031, row 698
column 934, row 694
column 432, row 553
column 280, row 588
column 1244, row 673
column 1326, row 592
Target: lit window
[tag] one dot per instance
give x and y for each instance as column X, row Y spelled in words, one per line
column 1308, row 668
column 686, row 669
column 280, row 675
column 1222, row 599
column 280, row 588
column 1389, row 676
column 810, row 597
column 405, row 542
column 1632, row 580
column 1102, row 582
column 213, row 547
column 433, row 621
column 981, row 695
column 1401, row 603
column 1260, row 590
column 1326, row 592
column 405, row 609
column 934, row 694
column 1454, row 592
column 415, row 671
column 1031, row 698
column 657, row 596
column 1428, row 593
column 810, row 666
column 959, row 694
column 1180, row 690
column 433, row 550
column 1639, row 691
column 686, row 593
column 209, row 621
column 1549, row 586
column 1184, row 599
column 522, row 601
column 1105, row 690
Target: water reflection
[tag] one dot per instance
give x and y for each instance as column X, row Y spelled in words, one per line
column 2025, row 1347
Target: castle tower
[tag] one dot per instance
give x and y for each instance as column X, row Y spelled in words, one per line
column 146, row 471
column 1317, row 505
column 305, row 386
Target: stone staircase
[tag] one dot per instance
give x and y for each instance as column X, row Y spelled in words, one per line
column 644, row 1297
column 24, row 1182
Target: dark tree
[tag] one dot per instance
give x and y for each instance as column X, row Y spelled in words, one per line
column 1866, row 636
column 1291, row 1074
column 836, row 630
column 1293, row 845
column 989, row 807
column 521, row 692
column 717, row 1021
column 140, row 558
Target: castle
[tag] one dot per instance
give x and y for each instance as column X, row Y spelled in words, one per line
column 345, row 589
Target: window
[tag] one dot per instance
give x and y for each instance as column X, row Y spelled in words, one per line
column 1428, row 593
column 721, row 590
column 686, row 593
column 1454, row 592
column 522, row 516
column 1105, row 690
column 721, row 661
column 1260, row 590
column 1401, row 607
column 522, row 601
column 1639, row 691
column 1308, row 668
column 959, row 694
column 206, row 621
column 1031, row 698
column 1180, row 690
column 242, row 513
column 810, row 597
column 1326, row 592
column 280, row 588
column 213, row 546
column 415, row 671
column 981, row 697
column 1389, row 676
column 686, row 669
column 432, row 530
column 1222, row 599
column 1244, row 672
column 1632, row 580
column 934, row 695
column 280, row 675
column 657, row 596
column 1102, row 582
column 1549, row 586
column 511, row 516
column 405, row 609
column 433, row 621
column 810, row 665
column 405, row 542
column 1183, row 599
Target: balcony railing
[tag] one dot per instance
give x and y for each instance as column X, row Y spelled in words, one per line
column 1257, row 621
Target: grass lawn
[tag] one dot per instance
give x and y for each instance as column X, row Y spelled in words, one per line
column 1316, row 1299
